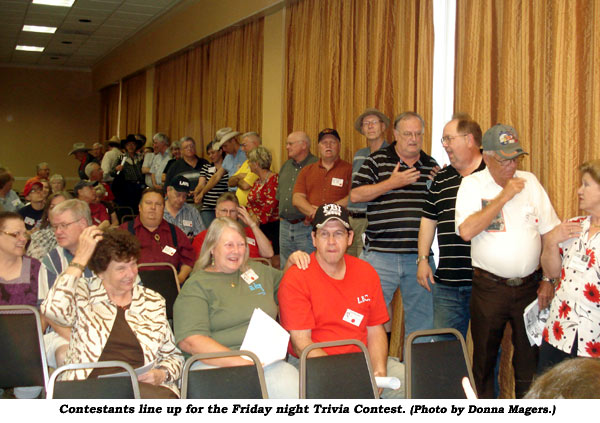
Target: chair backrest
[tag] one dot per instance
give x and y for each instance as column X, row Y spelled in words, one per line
column 127, row 218
column 104, row 387
column 337, row 376
column 434, row 370
column 22, row 347
column 238, row 382
column 124, row 211
column 162, row 280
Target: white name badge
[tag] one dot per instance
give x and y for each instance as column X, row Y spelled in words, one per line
column 187, row 223
column 169, row 250
column 212, row 169
column 15, row 203
column 337, row 182
column 579, row 262
column 249, row 276
column 29, row 221
column 251, row 241
column 353, row 317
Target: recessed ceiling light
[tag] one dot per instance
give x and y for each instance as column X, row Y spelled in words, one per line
column 29, row 48
column 85, row 20
column 66, row 42
column 35, row 28
column 61, row 3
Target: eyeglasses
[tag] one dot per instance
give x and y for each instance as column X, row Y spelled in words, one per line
column 337, row 235
column 367, row 123
column 412, row 134
column 506, row 162
column 63, row 226
column 16, row 235
column 448, row 138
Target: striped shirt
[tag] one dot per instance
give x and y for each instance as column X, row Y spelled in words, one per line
column 209, row 201
column 454, row 266
column 359, row 158
column 394, row 217
column 187, row 219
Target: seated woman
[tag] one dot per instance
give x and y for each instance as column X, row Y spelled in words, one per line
column 113, row 317
column 214, row 307
column 263, row 205
column 569, row 255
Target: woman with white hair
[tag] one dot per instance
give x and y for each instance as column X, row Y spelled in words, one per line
column 214, row 307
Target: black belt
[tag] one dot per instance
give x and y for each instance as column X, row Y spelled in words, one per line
column 357, row 215
column 535, row 276
column 293, row 221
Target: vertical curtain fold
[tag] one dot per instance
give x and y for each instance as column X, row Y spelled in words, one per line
column 109, row 111
column 216, row 84
column 345, row 56
column 133, row 105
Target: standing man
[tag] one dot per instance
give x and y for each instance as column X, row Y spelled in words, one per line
column 160, row 143
column 505, row 214
column 97, row 151
column 185, row 216
column 189, row 165
column 160, row 240
column 243, row 179
column 337, row 297
column 394, row 182
column 294, row 231
column 372, row 124
column 451, row 285
column 231, row 146
column 42, row 173
column 111, row 157
column 82, row 155
column 325, row 181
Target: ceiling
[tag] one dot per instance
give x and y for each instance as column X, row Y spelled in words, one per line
column 86, row 32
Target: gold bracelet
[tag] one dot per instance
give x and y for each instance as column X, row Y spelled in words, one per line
column 77, row 266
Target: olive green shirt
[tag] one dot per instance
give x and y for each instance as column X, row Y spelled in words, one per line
column 220, row 305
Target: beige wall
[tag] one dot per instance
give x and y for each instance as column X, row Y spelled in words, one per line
column 43, row 112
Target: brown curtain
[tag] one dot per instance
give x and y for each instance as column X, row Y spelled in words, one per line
column 345, row 56
column 213, row 85
column 534, row 65
column 109, row 111
column 133, row 105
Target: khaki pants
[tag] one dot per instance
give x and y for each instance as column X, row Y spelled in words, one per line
column 358, row 226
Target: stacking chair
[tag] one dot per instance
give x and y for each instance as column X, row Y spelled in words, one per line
column 22, row 347
column 238, row 382
column 105, row 387
column 337, row 376
column 127, row 218
column 163, row 280
column 123, row 211
column 434, row 370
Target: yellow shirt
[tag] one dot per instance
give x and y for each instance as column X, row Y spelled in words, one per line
column 242, row 195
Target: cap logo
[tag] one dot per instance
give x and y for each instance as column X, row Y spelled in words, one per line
column 505, row 138
column 332, row 210
column 184, row 183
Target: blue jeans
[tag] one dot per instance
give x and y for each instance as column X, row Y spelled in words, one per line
column 451, row 307
column 281, row 378
column 400, row 271
column 293, row 237
column 207, row 217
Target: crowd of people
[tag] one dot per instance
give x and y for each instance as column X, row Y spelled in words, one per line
column 322, row 245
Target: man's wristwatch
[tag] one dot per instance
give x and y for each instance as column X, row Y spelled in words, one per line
column 547, row 279
column 422, row 258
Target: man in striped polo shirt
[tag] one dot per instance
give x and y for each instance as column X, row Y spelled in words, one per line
column 394, row 181
column 451, row 284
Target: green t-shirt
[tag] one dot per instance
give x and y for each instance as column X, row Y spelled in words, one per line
column 220, row 305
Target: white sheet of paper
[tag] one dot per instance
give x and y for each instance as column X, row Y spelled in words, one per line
column 535, row 320
column 139, row 371
column 387, row 382
column 265, row 338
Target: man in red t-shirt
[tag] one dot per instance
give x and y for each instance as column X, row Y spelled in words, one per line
column 228, row 206
column 337, row 297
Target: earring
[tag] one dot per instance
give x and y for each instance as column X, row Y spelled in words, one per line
column 212, row 260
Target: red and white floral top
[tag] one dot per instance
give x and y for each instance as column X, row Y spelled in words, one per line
column 262, row 202
column 575, row 308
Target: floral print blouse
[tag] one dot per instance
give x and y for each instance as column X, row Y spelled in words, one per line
column 262, row 202
column 575, row 308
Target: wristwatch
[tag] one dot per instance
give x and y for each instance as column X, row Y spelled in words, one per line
column 422, row 258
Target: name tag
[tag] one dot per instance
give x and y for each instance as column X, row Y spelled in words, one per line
column 187, row 223
column 251, row 241
column 29, row 221
column 353, row 317
column 337, row 182
column 249, row 276
column 15, row 203
column 530, row 216
column 212, row 169
column 169, row 250
column 579, row 262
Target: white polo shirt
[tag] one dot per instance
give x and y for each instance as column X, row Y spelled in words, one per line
column 510, row 247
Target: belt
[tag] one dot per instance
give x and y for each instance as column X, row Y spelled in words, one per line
column 535, row 276
column 357, row 215
column 293, row 221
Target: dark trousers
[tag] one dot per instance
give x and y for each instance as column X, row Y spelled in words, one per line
column 492, row 305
